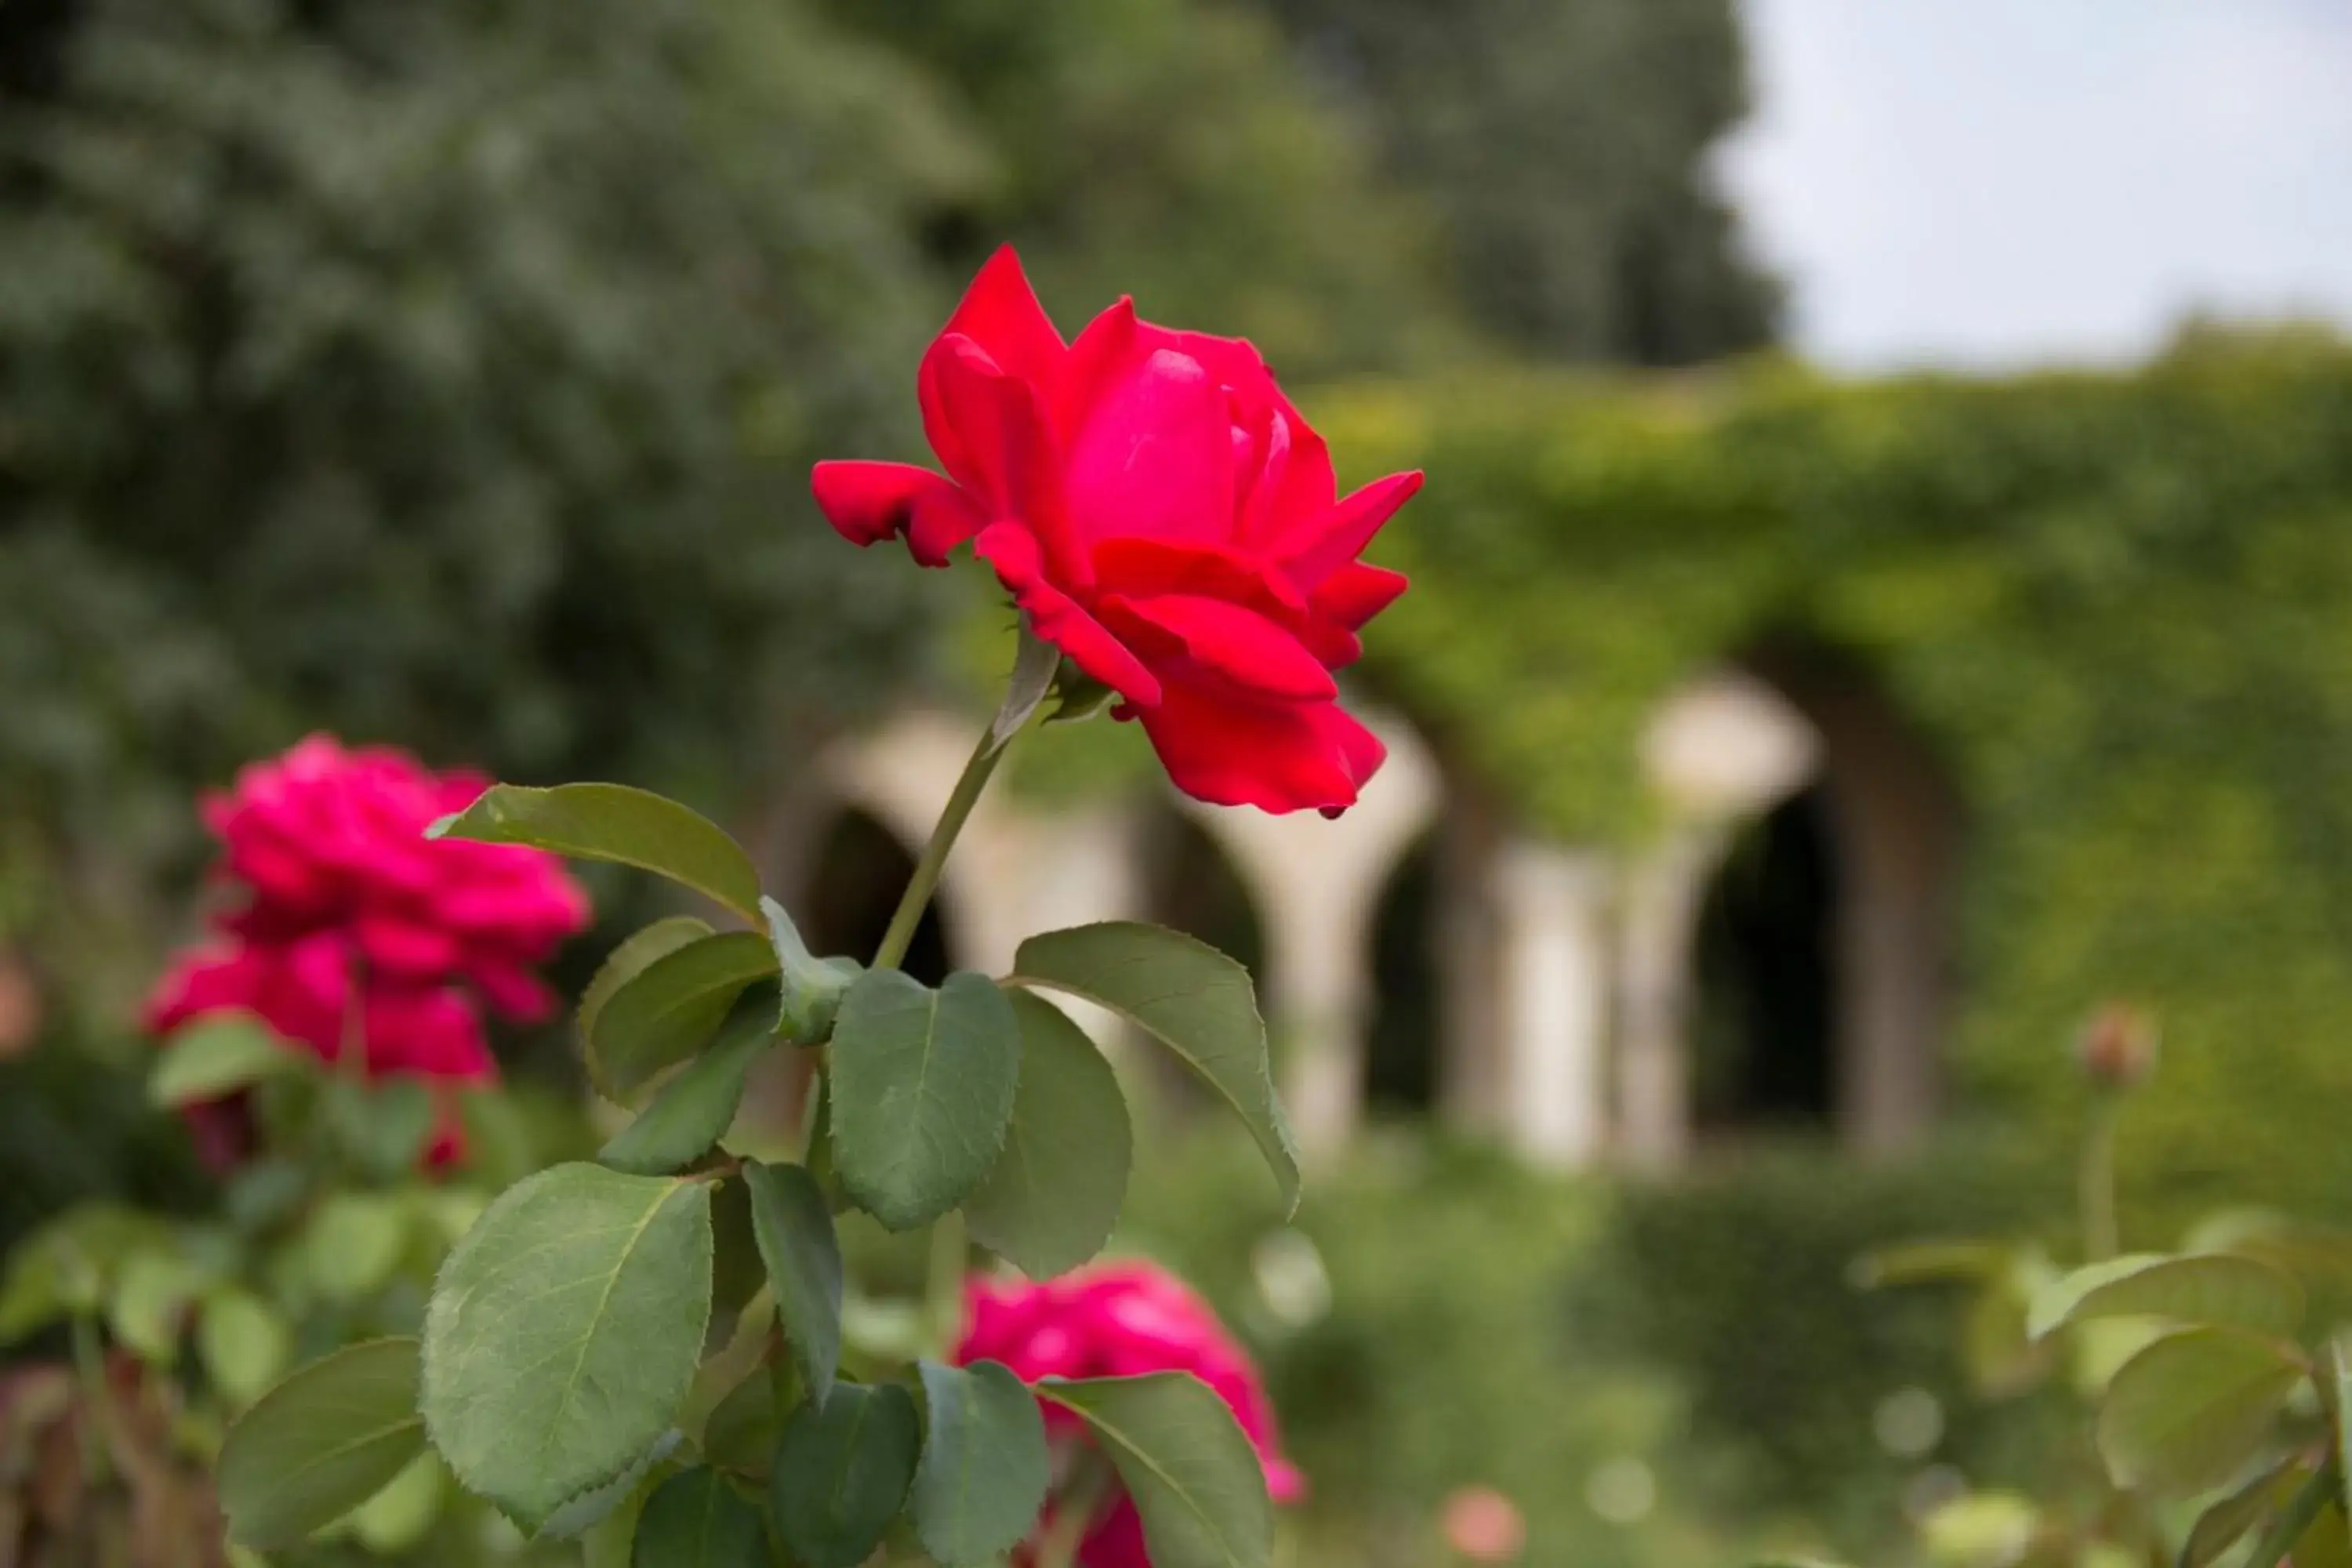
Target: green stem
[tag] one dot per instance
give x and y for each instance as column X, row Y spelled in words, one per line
column 2096, row 1180
column 97, row 1427
column 948, row 1250
column 1089, row 1488
column 926, row 879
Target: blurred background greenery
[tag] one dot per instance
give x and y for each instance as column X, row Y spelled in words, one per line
column 449, row 375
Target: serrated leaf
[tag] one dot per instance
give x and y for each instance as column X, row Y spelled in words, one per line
column 1191, row 1471
column 594, row 1506
column 841, row 1472
column 616, row 822
column 217, row 1055
column 921, row 1088
column 1053, row 1197
column 2219, row 1527
column 985, row 1468
column 563, row 1334
column 1192, row 999
column 795, row 1227
column 670, row 1009
column 698, row 1520
column 2210, row 1288
column 243, row 1342
column 320, row 1444
column 2186, row 1413
column 694, row 1108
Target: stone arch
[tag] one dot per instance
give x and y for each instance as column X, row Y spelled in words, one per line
column 855, row 877
column 1793, row 739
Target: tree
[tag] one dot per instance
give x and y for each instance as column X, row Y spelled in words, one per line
column 1562, row 146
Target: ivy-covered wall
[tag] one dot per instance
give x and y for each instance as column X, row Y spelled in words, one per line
column 2118, row 605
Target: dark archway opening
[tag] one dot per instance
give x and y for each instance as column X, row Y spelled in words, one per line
column 1400, row 1048
column 860, row 872
column 1764, row 1027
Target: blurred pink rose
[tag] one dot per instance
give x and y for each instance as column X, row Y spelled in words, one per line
column 353, row 926
column 1483, row 1525
column 1121, row 1319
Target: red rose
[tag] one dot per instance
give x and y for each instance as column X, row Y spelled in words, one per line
column 1164, row 516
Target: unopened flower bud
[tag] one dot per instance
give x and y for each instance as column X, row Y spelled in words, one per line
column 2117, row 1048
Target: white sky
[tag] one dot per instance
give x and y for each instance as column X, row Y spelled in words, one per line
column 1997, row 182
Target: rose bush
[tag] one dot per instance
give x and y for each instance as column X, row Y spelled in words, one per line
column 1121, row 1319
column 1163, row 515
column 349, row 927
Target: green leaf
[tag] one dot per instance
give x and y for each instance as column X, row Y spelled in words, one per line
column 698, row 1520
column 984, row 1469
column 352, row 1243
column 320, row 1443
column 628, row 961
column 1192, row 1472
column 563, row 1334
column 741, row 1432
column 383, row 1125
column 150, row 1302
column 616, row 822
column 1033, row 668
column 2211, row 1287
column 597, row 1504
column 2186, row 1413
column 244, row 1342
column 922, row 1087
column 398, row 1517
column 812, row 987
column 1192, row 998
column 68, row 1265
column 694, row 1108
column 1053, row 1197
column 669, row 1009
column 842, row 1471
column 216, row 1056
column 2219, row 1527
column 794, row 1226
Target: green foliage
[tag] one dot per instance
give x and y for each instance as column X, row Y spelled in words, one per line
column 321, row 1443
column 923, row 1085
column 1054, row 1197
column 671, row 1009
column 1478, row 109
column 565, row 1332
column 793, row 1224
column 693, row 1110
column 2213, row 1288
column 618, row 823
column 842, row 1471
column 1185, row 1463
column 696, row 1520
column 2186, row 1414
column 984, row 1469
column 216, row 1056
column 1187, row 996
column 2111, row 604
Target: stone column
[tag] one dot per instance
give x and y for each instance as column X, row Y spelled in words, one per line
column 1662, row 893
column 1552, row 906
column 1316, row 886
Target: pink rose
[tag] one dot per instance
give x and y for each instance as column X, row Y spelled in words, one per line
column 354, row 927
column 1164, row 516
column 1121, row 1319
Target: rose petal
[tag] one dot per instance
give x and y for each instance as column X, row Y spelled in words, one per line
column 867, row 502
column 1154, row 459
column 1319, row 547
column 1277, row 756
column 1000, row 313
column 1225, row 640
column 1059, row 619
